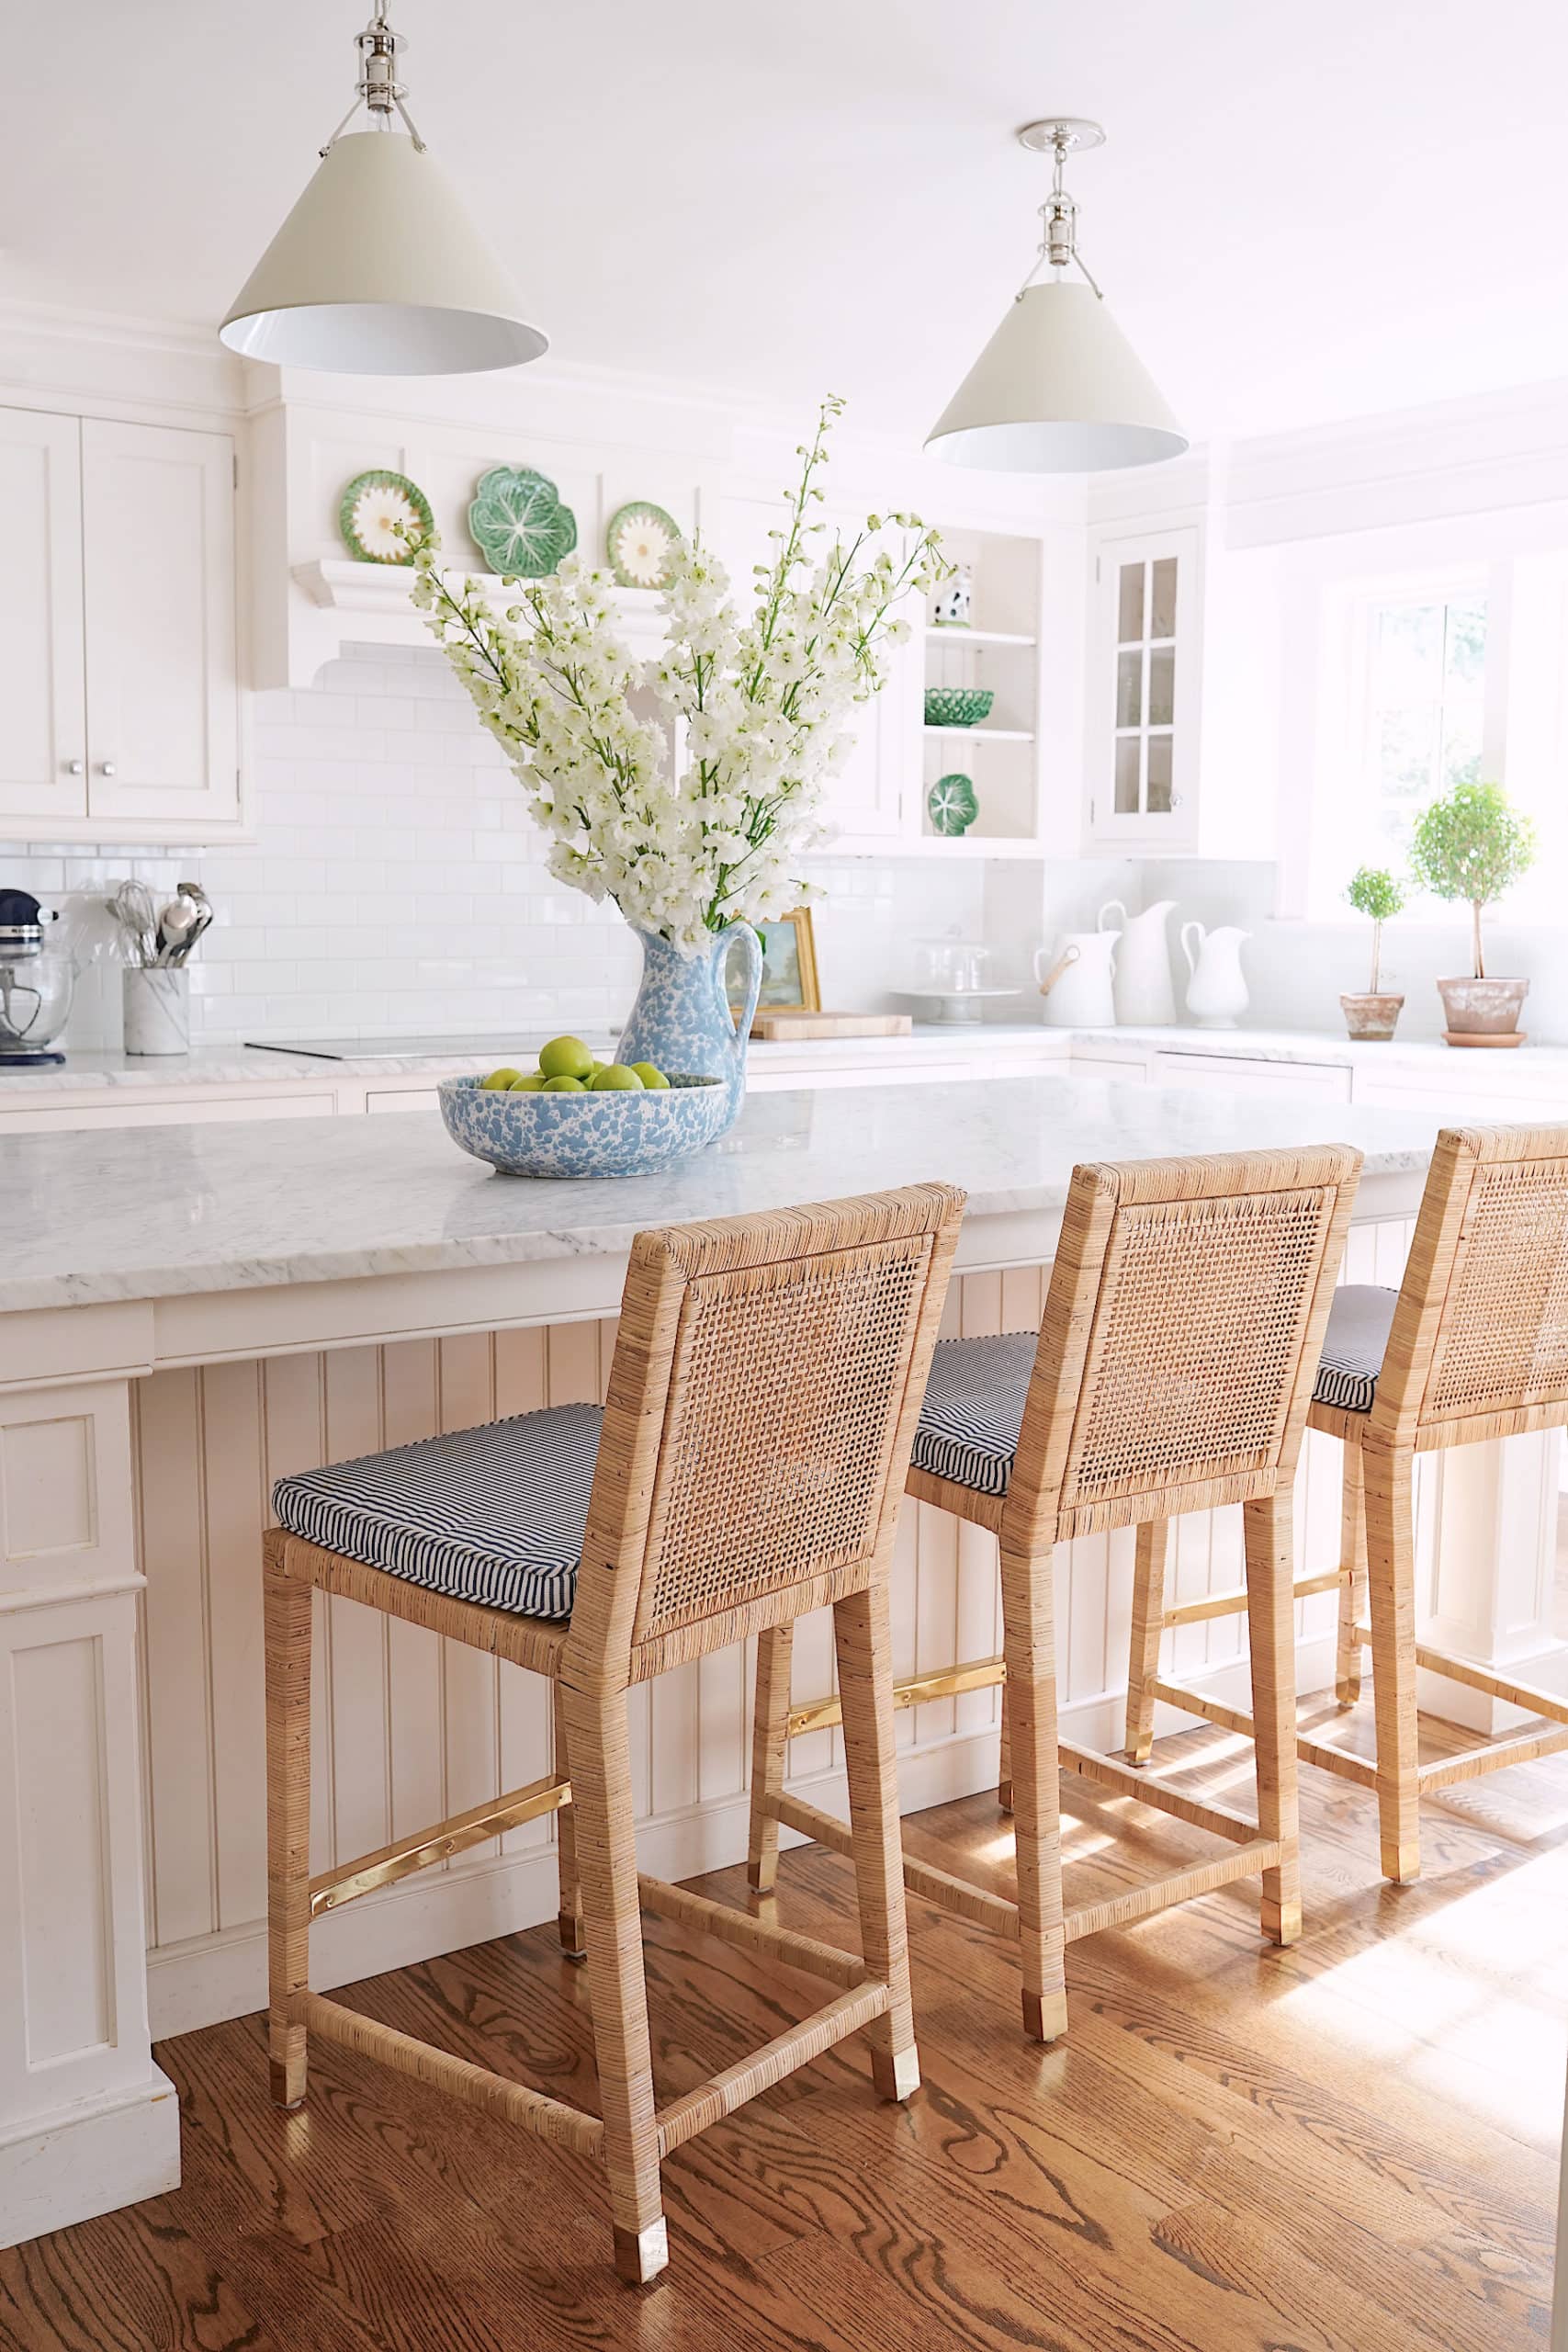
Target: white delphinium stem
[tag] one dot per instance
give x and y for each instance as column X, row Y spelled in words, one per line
column 763, row 703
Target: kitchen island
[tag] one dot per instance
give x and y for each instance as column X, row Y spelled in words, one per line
column 188, row 1312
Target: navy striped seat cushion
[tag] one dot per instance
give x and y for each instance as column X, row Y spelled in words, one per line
column 1354, row 1346
column 973, row 1409
column 493, row 1514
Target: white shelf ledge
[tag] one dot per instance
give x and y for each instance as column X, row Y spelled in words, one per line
column 935, row 636
column 985, row 734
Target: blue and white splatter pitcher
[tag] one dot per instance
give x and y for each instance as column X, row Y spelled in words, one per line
column 681, row 1017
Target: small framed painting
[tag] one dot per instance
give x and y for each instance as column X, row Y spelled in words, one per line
column 789, row 966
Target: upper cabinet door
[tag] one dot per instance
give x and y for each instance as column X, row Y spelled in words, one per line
column 43, row 732
column 1144, row 682
column 158, row 544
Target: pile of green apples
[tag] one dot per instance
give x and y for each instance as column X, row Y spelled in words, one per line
column 568, row 1067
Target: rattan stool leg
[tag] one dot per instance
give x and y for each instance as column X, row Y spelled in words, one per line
column 864, row 1644
column 286, row 1612
column 1391, row 1596
column 1029, row 1647
column 1353, row 1565
column 1142, row 1654
column 569, row 1906
column 1004, row 1758
column 599, row 1751
column 1270, row 1621
column 775, row 1651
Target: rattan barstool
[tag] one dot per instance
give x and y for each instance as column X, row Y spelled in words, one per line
column 1171, row 1373
column 762, row 1401
column 1472, row 1345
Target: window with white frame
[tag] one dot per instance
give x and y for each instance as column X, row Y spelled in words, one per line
column 1419, row 713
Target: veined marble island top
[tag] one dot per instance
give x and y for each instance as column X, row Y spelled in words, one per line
column 141, row 1214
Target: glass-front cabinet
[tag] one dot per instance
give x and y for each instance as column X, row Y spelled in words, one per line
column 1144, row 689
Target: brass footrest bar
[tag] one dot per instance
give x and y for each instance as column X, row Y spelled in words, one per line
column 1129, row 1782
column 790, row 1948
column 955, row 1895
column 1233, row 1604
column 1194, row 1702
column 1496, row 1686
column 1142, row 1901
column 823, row 1714
column 711, row 2101
column 1339, row 1760
column 512, row 2102
column 1521, row 1750
column 331, row 1889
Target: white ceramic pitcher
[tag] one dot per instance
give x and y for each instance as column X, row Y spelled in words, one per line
column 1074, row 980
column 1216, row 992
column 1145, row 998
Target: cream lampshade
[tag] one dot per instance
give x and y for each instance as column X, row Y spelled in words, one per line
column 1059, row 389
column 379, row 271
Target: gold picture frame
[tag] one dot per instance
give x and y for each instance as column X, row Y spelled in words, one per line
column 789, row 964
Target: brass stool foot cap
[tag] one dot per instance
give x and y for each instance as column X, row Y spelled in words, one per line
column 570, row 1932
column 1045, row 2015
column 283, row 2093
column 895, row 2073
column 1402, row 1863
column 641, row 2255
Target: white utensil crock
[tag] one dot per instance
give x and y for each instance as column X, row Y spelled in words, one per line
column 157, row 1010
column 1145, row 996
column 1079, row 997
column 1216, row 992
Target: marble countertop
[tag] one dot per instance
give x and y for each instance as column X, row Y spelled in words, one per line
column 1325, row 1046
column 144, row 1213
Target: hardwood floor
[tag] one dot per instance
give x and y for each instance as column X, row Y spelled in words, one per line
column 1347, row 2147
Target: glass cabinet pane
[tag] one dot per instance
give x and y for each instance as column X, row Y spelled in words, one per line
column 1162, row 615
column 1159, row 802
column 1130, row 688
column 1130, row 605
column 1162, row 684
column 1127, row 750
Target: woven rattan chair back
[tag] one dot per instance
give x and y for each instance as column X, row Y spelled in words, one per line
column 1479, row 1346
column 767, row 1381
column 1181, row 1339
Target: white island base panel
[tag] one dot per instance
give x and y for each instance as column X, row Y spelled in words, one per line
column 146, row 1412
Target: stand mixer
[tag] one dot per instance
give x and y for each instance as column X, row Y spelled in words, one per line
column 36, row 985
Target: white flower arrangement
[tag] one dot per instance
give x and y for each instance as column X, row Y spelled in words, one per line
column 762, row 701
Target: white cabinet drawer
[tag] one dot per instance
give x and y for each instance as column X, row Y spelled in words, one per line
column 382, row 1098
column 1241, row 1074
column 59, row 1119
column 1457, row 1104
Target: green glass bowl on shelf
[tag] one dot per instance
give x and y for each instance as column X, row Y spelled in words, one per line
column 958, row 705
column 952, row 806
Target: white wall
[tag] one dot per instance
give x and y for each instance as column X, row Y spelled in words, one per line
column 398, row 884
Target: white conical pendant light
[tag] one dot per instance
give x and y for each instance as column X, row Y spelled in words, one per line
column 378, row 271
column 1059, row 389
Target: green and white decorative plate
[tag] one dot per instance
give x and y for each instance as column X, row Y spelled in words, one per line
column 639, row 541
column 373, row 510
column 518, row 523
column 952, row 804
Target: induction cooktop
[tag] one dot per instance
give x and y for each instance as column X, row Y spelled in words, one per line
column 465, row 1043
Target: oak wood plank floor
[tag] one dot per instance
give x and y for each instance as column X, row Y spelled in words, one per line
column 1347, row 2147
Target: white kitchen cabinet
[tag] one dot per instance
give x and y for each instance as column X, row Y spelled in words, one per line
column 1223, row 1073
column 43, row 748
column 1144, row 688
column 118, row 654
column 212, row 1111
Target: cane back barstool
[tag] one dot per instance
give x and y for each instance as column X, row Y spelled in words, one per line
column 1171, row 1373
column 1472, row 1345
column 750, row 1464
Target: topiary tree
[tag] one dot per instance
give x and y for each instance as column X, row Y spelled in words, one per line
column 1373, row 892
column 1470, row 844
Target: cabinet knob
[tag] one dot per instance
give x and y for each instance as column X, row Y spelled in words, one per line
column 106, row 767
column 1175, row 798
column 73, row 767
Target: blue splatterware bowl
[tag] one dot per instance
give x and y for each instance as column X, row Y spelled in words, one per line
column 586, row 1135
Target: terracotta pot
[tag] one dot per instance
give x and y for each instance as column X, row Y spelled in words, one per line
column 1372, row 1017
column 1480, row 1011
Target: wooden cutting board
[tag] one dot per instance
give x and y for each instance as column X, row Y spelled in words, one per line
column 793, row 1026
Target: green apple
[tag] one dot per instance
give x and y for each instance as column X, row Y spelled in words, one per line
column 566, row 1058
column 562, row 1085
column 615, row 1078
column 499, row 1080
column 651, row 1075
column 533, row 1084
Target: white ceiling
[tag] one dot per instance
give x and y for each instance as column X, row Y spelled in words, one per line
column 1302, row 214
